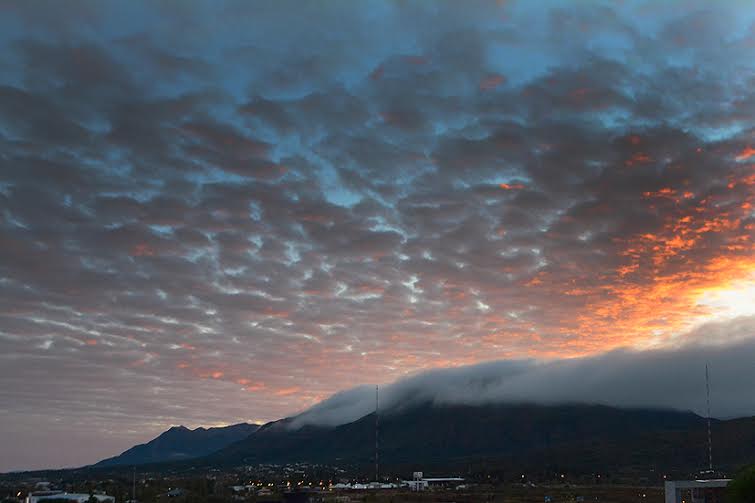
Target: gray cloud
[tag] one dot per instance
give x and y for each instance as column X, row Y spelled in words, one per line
column 672, row 378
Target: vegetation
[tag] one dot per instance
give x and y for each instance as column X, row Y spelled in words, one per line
column 742, row 488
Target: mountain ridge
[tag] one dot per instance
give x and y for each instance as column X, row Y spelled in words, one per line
column 180, row 443
column 583, row 436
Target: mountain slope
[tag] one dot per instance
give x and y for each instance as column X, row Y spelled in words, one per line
column 579, row 436
column 179, row 443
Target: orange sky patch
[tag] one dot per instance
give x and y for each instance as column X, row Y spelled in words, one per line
column 657, row 291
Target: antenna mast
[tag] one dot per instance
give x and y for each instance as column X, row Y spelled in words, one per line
column 377, row 439
column 710, row 443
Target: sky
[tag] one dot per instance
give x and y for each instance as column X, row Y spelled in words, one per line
column 225, row 211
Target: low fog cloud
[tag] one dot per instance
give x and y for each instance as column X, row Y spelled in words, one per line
column 670, row 377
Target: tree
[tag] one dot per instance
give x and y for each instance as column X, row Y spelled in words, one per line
column 742, row 487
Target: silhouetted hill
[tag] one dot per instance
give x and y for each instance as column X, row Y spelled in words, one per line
column 581, row 437
column 180, row 443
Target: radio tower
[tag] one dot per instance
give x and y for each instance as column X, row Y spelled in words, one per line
column 377, row 439
column 710, row 443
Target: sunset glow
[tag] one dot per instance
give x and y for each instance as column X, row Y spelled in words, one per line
column 228, row 211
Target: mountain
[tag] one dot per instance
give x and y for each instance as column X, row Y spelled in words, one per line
column 580, row 437
column 180, row 443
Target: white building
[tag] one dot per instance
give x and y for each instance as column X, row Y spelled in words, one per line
column 696, row 491
column 35, row 497
column 420, row 483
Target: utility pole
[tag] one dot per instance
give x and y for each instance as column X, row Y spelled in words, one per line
column 377, row 438
column 133, row 487
column 710, row 442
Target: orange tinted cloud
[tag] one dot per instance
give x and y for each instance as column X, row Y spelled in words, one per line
column 142, row 250
column 638, row 158
column 255, row 387
column 745, row 154
column 665, row 192
column 288, row 391
column 491, row 82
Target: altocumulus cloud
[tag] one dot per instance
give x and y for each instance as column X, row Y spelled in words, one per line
column 218, row 211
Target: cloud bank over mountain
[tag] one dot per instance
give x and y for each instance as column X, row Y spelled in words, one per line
column 656, row 378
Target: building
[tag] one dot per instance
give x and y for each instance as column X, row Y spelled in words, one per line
column 41, row 496
column 696, row 491
column 420, row 483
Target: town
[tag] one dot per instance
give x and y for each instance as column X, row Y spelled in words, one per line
column 302, row 482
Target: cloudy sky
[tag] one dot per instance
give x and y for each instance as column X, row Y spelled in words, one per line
column 213, row 212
